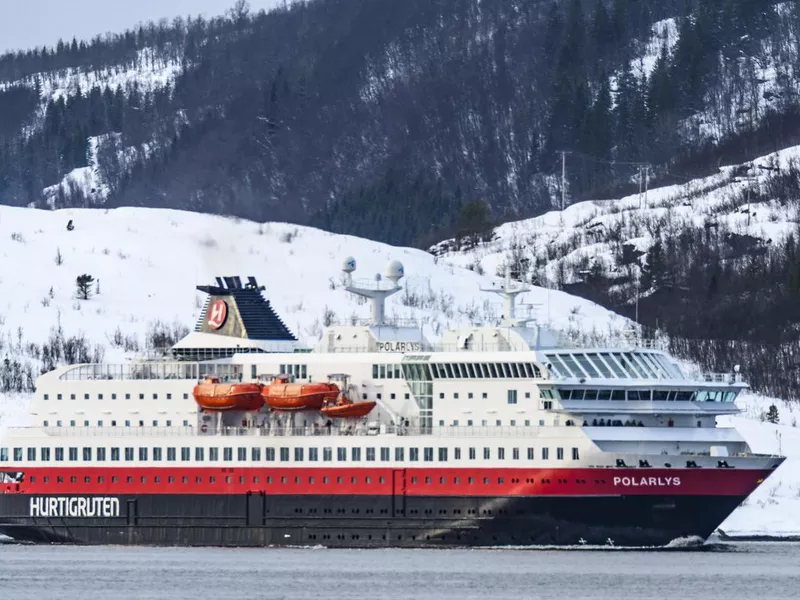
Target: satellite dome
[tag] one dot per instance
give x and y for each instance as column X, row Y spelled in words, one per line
column 349, row 264
column 395, row 271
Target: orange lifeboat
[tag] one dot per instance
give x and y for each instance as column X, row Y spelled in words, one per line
column 344, row 408
column 213, row 395
column 282, row 395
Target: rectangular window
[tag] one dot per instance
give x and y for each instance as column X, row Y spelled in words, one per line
column 512, row 396
column 530, row 454
column 186, row 454
column 545, row 453
column 398, row 454
column 575, row 454
column 456, row 453
column 284, row 454
column 501, row 454
column 171, row 454
column 101, row 455
column 371, row 454
column 327, row 454
column 515, row 453
column 413, row 454
column 355, row 454
column 32, row 454
column 313, row 454
column 384, row 454
column 298, row 455
column 255, row 453
column 143, row 454
column 45, row 454
column 269, row 454
column 487, row 453
column 114, row 454
column 428, row 456
column 227, row 454
column 559, row 454
column 241, row 454
column 199, row 454
column 158, row 454
column 73, row 454
column 472, row 453
column 442, row 454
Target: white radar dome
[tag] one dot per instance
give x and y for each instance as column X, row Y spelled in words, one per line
column 349, row 264
column 395, row 271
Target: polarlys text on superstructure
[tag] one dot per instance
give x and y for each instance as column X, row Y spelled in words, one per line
column 62, row 506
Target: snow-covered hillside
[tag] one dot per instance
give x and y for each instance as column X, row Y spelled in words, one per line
column 148, row 263
column 562, row 246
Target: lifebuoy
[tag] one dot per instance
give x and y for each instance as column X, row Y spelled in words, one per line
column 203, row 427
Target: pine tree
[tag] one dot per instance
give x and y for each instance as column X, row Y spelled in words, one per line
column 83, row 283
column 772, row 414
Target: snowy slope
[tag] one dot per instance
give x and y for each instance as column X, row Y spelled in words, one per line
column 149, row 261
column 590, row 232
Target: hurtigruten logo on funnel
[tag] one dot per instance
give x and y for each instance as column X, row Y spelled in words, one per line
column 63, row 506
column 217, row 314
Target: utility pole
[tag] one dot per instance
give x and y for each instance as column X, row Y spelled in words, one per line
column 563, row 179
column 640, row 186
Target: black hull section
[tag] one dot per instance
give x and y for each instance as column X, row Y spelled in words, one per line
column 377, row 521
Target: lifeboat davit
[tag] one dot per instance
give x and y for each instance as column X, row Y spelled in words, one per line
column 213, row 395
column 344, row 408
column 282, row 395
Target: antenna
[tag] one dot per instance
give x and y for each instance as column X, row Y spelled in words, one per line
column 510, row 290
column 376, row 290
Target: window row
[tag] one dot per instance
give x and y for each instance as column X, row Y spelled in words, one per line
column 485, row 371
column 387, row 371
column 113, row 423
column 613, row 365
column 114, row 396
column 326, row 454
column 312, row 479
column 647, row 395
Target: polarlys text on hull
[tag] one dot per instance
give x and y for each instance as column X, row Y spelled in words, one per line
column 62, row 506
column 647, row 481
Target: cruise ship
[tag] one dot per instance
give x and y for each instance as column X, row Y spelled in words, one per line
column 504, row 435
